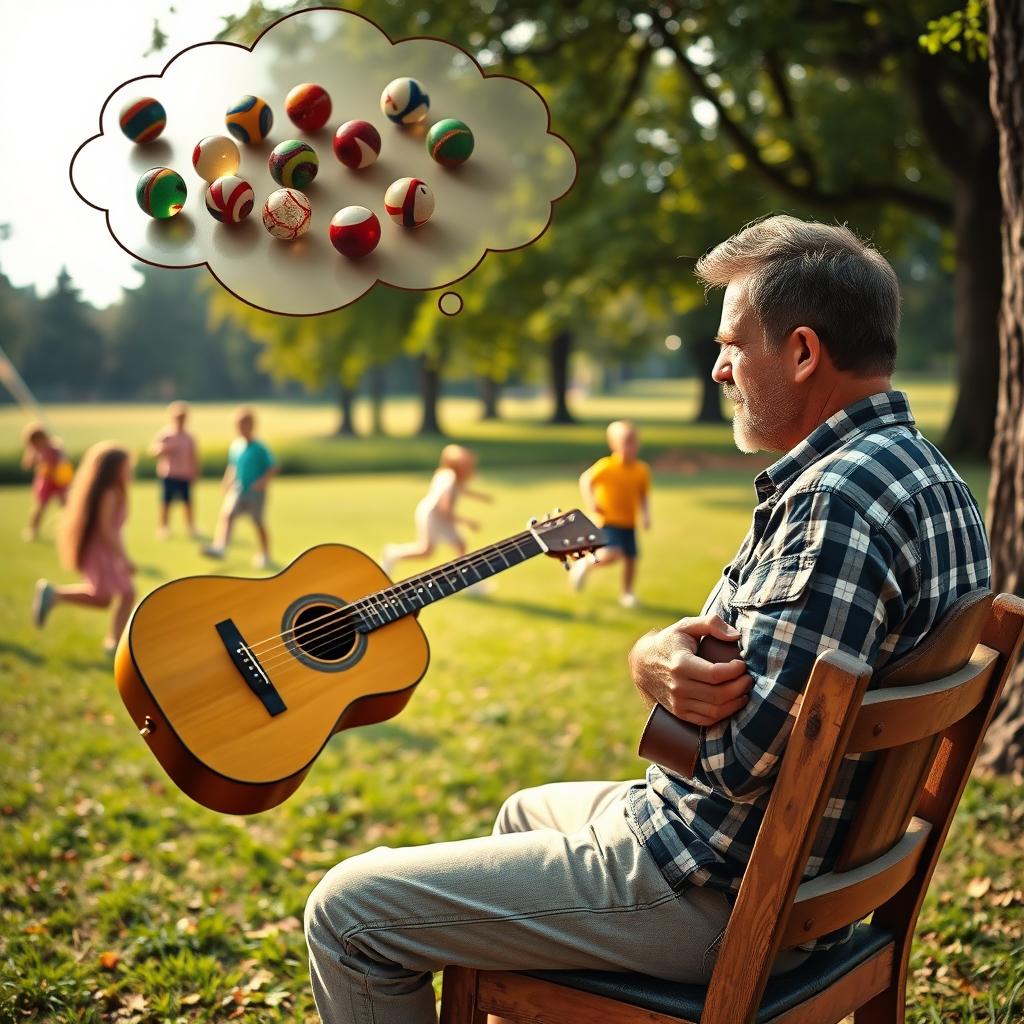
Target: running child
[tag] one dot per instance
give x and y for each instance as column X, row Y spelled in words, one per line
column 249, row 470
column 435, row 516
column 177, row 466
column 51, row 473
column 617, row 488
column 90, row 542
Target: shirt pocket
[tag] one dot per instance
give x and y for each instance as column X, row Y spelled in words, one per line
column 775, row 581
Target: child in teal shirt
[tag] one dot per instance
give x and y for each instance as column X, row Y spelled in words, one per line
column 249, row 470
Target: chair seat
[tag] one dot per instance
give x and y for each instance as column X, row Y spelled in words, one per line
column 782, row 993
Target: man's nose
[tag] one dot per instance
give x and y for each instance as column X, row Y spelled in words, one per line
column 722, row 371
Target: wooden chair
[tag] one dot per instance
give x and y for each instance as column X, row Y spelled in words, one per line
column 924, row 720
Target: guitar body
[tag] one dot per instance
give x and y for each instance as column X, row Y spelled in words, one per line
column 228, row 746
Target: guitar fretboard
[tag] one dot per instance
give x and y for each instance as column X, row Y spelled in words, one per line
column 408, row 596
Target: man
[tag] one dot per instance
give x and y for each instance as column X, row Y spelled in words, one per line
column 862, row 536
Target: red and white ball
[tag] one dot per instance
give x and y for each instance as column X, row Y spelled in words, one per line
column 409, row 202
column 287, row 214
column 230, row 199
column 355, row 231
column 357, row 144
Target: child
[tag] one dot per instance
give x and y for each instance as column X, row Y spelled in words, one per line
column 249, row 470
column 435, row 516
column 616, row 488
column 90, row 541
column 177, row 466
column 52, row 473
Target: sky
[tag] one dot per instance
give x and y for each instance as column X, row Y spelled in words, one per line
column 59, row 60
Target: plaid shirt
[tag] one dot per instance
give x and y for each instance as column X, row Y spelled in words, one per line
column 863, row 536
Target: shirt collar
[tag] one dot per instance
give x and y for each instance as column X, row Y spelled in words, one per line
column 884, row 409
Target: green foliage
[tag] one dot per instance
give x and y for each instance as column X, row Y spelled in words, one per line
column 963, row 31
column 120, row 899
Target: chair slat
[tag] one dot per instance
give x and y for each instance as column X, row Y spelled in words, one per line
column 838, row 898
column 892, row 716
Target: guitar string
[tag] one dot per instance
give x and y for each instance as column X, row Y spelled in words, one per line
column 341, row 618
column 323, row 640
column 473, row 557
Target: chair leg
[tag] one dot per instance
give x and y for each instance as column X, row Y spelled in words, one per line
column 887, row 1007
column 458, row 997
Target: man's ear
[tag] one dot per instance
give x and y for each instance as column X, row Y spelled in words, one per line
column 804, row 353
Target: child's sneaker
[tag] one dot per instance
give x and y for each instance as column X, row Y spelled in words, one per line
column 577, row 573
column 261, row 561
column 109, row 647
column 42, row 602
column 212, row 551
column 627, row 600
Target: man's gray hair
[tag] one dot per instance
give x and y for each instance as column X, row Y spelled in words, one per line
column 822, row 276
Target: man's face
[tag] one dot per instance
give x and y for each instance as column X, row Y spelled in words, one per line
column 766, row 401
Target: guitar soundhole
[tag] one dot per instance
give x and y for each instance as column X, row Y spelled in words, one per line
column 322, row 632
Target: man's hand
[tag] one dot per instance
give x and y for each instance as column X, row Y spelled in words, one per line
column 667, row 670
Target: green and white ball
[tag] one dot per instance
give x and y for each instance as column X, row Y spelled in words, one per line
column 160, row 193
column 450, row 142
column 293, row 164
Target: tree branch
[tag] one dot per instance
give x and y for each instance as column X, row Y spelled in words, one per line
column 934, row 207
column 777, row 76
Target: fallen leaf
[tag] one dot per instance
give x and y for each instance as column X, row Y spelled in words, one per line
column 258, row 980
column 109, row 960
column 191, row 999
column 977, row 887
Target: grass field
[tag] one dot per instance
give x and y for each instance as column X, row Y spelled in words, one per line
column 121, row 900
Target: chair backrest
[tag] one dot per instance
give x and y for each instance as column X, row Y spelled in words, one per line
column 923, row 723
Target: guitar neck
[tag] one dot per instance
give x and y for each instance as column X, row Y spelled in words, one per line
column 409, row 596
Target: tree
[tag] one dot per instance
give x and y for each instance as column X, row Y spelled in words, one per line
column 64, row 354
column 1005, row 744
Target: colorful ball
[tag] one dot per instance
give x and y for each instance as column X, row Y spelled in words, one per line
column 308, row 106
column 409, row 202
column 250, row 119
column 230, row 199
column 293, row 164
column 355, row 231
column 404, row 101
column 214, row 157
column 287, row 213
column 161, row 192
column 357, row 144
column 450, row 142
column 142, row 120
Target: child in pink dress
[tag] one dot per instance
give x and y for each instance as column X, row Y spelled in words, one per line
column 90, row 541
column 51, row 473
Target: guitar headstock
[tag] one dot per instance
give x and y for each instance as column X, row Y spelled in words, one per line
column 566, row 535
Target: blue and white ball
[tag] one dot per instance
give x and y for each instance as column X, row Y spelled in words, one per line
column 404, row 101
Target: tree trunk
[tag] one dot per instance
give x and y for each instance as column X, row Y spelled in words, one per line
column 346, row 420
column 977, row 287
column 378, row 391
column 490, row 393
column 561, row 351
column 1004, row 749
column 430, row 394
column 704, row 352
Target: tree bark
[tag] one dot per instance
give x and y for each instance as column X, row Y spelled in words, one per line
column 346, row 419
column 378, row 391
column 705, row 352
column 490, row 394
column 1004, row 749
column 977, row 289
column 430, row 394
column 560, row 353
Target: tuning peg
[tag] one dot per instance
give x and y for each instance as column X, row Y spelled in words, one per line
column 593, row 558
column 532, row 521
column 566, row 563
column 558, row 512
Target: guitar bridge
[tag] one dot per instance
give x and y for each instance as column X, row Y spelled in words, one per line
column 249, row 667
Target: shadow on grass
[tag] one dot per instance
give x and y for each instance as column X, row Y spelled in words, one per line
column 24, row 653
column 390, row 732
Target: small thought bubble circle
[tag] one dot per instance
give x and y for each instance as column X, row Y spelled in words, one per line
column 450, row 303
column 500, row 198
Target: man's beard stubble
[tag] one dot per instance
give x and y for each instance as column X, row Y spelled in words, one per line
column 761, row 417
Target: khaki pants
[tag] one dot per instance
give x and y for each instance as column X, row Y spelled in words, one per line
column 562, row 883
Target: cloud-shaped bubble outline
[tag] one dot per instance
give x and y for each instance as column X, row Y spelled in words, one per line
column 378, row 281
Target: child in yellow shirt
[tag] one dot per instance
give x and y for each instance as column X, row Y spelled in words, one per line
column 617, row 488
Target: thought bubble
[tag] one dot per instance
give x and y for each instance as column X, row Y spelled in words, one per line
column 500, row 198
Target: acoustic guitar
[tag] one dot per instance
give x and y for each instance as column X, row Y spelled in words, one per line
column 237, row 684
